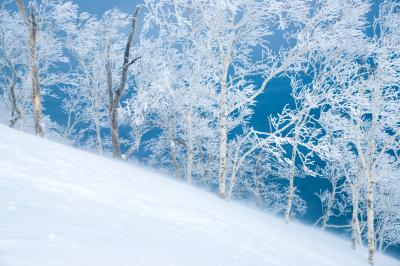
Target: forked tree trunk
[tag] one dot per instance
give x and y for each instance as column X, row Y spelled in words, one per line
column 115, row 96
column 32, row 27
column 16, row 113
column 329, row 205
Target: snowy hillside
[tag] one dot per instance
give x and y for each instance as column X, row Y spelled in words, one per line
column 60, row 206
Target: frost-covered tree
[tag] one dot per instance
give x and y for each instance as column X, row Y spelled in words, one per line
column 87, row 44
column 341, row 171
column 378, row 112
column 12, row 68
column 174, row 96
column 234, row 37
column 188, row 101
column 387, row 203
column 321, row 45
column 43, row 25
column 364, row 108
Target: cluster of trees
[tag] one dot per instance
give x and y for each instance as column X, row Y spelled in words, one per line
column 178, row 80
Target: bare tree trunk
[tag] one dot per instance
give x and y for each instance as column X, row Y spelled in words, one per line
column 203, row 168
column 355, row 225
column 136, row 145
column 173, row 152
column 98, row 132
column 383, row 230
column 31, row 24
column 112, row 109
column 114, row 127
column 189, row 146
column 115, row 96
column 331, row 198
column 291, row 181
column 260, row 180
column 370, row 216
column 94, row 96
column 223, row 141
column 238, row 161
column 96, row 117
column 232, row 179
column 16, row 113
column 234, row 171
column 36, row 97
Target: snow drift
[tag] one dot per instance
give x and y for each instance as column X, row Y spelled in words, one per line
column 61, row 206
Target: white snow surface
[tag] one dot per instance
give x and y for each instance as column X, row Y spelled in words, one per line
column 61, row 206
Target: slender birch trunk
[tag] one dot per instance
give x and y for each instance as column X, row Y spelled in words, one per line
column 232, row 179
column 223, row 139
column 260, row 180
column 136, row 145
column 33, row 28
column 173, row 151
column 36, row 97
column 96, row 117
column 189, row 146
column 370, row 216
column 331, row 198
column 238, row 161
column 291, row 180
column 16, row 113
column 98, row 133
column 371, row 176
column 383, row 230
column 204, row 169
column 234, row 171
column 355, row 224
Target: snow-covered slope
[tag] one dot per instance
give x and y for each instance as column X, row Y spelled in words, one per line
column 61, row 206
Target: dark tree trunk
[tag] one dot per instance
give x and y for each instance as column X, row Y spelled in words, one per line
column 115, row 96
